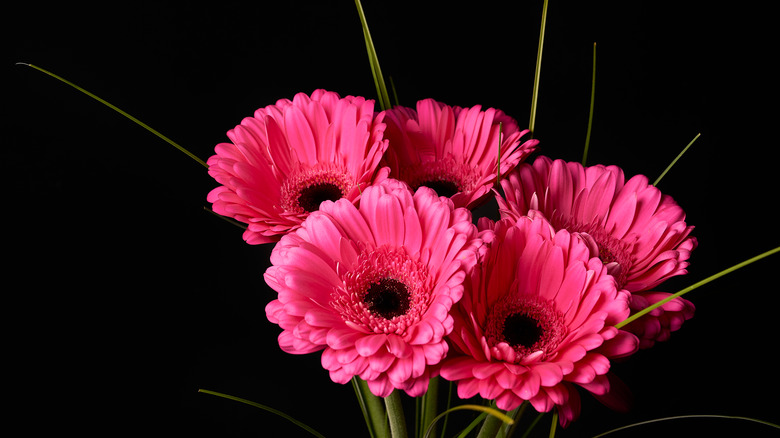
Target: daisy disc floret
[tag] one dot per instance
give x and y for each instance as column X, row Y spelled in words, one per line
column 290, row 156
column 638, row 232
column 536, row 319
column 372, row 286
column 456, row 151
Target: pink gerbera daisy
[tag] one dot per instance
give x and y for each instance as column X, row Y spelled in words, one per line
column 372, row 286
column 639, row 233
column 456, row 151
column 537, row 317
column 288, row 158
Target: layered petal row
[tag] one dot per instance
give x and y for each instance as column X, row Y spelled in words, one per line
column 372, row 286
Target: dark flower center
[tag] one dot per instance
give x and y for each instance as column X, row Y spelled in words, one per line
column 388, row 298
column 312, row 196
column 442, row 187
column 522, row 330
column 606, row 255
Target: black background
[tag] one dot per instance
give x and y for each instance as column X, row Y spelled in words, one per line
column 124, row 297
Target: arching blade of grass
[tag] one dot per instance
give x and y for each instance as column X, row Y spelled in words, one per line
column 683, row 417
column 675, row 160
column 383, row 98
column 120, row 111
column 695, row 286
column 538, row 71
column 590, row 112
column 487, row 410
column 265, row 408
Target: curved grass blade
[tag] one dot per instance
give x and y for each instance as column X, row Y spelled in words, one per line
column 675, row 160
column 695, row 286
column 538, row 70
column 266, row 408
column 113, row 107
column 681, row 417
column 379, row 81
column 590, row 112
column 487, row 410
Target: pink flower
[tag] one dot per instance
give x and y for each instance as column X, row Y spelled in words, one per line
column 293, row 155
column 639, row 233
column 372, row 287
column 537, row 318
column 453, row 150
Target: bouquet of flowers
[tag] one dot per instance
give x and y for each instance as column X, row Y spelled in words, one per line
column 431, row 244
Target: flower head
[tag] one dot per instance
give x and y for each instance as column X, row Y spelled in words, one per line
column 372, row 286
column 290, row 156
column 536, row 318
column 639, row 233
column 456, row 151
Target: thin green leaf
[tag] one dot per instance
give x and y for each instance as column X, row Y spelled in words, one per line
column 538, row 71
column 681, row 417
column 485, row 409
column 554, row 424
column 113, row 107
column 675, row 160
column 266, row 408
column 379, row 81
column 695, row 286
column 465, row 432
column 533, row 424
column 590, row 112
column 226, row 219
column 450, row 386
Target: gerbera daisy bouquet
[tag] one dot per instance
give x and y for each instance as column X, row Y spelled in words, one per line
column 452, row 269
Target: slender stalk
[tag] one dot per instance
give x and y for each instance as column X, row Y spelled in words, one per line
column 430, row 405
column 537, row 72
column 695, row 286
column 473, row 425
column 372, row 408
column 379, row 80
column 395, row 413
column 113, row 107
column 266, row 408
column 511, row 428
column 675, row 160
column 554, row 424
column 590, row 112
column 484, row 409
column 490, row 427
column 450, row 386
column 532, row 425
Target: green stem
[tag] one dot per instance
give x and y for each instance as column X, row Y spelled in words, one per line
column 511, row 428
column 113, row 107
column 537, row 72
column 372, row 408
column 590, row 112
column 490, row 427
column 675, row 160
column 430, row 405
column 395, row 413
column 695, row 286
column 266, row 408
column 554, row 424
